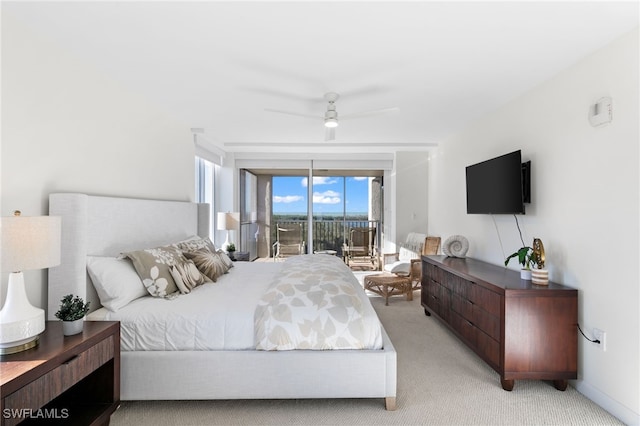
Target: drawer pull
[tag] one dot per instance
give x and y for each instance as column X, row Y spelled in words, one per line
column 70, row 360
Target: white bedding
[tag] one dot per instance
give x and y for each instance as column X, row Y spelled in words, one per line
column 214, row 316
column 220, row 315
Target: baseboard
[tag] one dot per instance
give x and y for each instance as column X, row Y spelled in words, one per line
column 623, row 413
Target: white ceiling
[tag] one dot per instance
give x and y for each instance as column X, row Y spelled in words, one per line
column 217, row 65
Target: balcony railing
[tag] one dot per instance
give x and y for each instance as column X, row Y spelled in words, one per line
column 328, row 234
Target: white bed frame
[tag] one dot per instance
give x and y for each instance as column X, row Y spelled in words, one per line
column 107, row 226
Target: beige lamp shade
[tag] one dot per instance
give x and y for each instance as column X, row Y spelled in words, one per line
column 30, row 242
column 228, row 221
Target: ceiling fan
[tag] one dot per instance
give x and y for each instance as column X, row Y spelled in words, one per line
column 330, row 117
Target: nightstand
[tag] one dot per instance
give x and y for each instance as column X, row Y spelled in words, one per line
column 64, row 380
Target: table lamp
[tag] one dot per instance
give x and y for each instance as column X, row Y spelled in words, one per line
column 27, row 243
column 228, row 222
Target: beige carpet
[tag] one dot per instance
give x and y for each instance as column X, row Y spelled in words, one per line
column 440, row 382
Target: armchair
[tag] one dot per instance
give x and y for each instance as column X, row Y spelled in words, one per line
column 407, row 260
column 289, row 240
column 361, row 245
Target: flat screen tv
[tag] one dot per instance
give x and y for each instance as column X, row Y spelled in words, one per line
column 498, row 186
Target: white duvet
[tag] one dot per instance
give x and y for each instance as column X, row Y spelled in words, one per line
column 214, row 316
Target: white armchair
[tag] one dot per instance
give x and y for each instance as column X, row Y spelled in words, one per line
column 407, row 260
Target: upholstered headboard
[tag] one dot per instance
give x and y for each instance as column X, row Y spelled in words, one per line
column 107, row 226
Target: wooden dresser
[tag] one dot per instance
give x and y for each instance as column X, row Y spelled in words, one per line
column 523, row 331
column 64, row 380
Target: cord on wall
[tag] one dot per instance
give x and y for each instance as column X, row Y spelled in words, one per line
column 498, row 232
column 584, row 335
column 519, row 231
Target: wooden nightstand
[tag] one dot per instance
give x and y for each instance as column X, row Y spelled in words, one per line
column 64, row 380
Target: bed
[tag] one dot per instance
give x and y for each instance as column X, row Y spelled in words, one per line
column 107, row 226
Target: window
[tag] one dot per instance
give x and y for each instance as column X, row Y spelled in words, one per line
column 205, row 172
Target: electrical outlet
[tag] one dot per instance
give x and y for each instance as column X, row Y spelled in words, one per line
column 602, row 336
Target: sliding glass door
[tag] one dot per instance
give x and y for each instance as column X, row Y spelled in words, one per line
column 338, row 201
column 341, row 203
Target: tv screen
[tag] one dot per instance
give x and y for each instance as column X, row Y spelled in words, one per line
column 496, row 186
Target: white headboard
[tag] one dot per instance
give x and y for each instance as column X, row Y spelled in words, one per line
column 107, row 226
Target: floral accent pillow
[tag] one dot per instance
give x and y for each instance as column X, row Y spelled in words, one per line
column 194, row 244
column 187, row 276
column 153, row 266
column 208, row 263
column 226, row 259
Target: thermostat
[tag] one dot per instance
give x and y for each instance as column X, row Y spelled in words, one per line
column 600, row 113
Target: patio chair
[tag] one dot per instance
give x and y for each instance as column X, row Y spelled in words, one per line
column 361, row 245
column 289, row 241
column 407, row 259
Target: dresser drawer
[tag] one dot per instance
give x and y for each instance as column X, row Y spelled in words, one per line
column 42, row 390
column 464, row 328
column 433, row 272
column 462, row 306
column 488, row 348
column 485, row 299
column 431, row 296
column 486, row 322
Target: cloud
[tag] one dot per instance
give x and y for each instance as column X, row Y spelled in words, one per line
column 360, row 178
column 319, row 180
column 287, row 198
column 327, row 197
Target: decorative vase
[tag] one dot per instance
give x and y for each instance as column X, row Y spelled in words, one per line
column 540, row 277
column 69, row 328
column 525, row 274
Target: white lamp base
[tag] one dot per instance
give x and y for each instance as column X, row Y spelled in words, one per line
column 226, row 243
column 20, row 322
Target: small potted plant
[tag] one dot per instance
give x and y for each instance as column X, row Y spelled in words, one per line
column 231, row 248
column 525, row 258
column 72, row 311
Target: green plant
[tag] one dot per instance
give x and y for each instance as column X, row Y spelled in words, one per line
column 231, row 247
column 525, row 257
column 72, row 308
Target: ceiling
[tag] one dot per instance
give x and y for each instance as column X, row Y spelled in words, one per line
column 218, row 65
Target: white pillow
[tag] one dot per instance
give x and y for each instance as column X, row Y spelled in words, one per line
column 400, row 267
column 115, row 280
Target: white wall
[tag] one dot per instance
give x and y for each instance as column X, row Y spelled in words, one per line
column 410, row 209
column 584, row 205
column 68, row 128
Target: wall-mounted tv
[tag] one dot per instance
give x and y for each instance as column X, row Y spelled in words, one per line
column 498, row 186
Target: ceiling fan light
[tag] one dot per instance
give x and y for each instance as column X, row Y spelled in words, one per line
column 331, row 122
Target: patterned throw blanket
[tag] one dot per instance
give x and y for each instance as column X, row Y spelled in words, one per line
column 313, row 304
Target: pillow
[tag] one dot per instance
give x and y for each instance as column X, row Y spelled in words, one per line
column 187, row 276
column 194, row 244
column 115, row 280
column 226, row 259
column 210, row 264
column 400, row 268
column 153, row 266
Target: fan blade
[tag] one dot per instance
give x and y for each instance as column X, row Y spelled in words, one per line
column 294, row 113
column 330, row 134
column 368, row 113
column 282, row 94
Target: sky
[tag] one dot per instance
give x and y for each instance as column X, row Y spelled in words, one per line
column 290, row 194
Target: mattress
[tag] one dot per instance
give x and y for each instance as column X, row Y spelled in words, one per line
column 214, row 316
